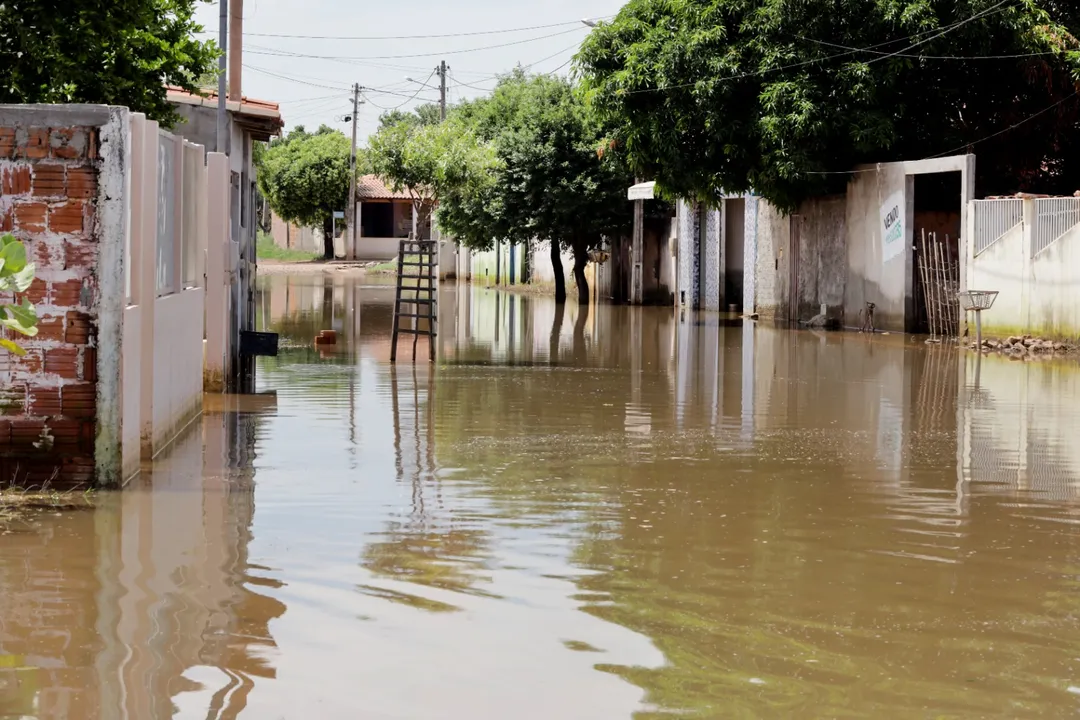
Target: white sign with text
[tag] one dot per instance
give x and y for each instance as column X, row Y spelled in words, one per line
column 892, row 227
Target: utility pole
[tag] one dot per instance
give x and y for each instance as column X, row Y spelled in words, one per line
column 222, row 113
column 442, row 89
column 350, row 210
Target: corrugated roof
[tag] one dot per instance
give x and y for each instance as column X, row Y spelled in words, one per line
column 370, row 187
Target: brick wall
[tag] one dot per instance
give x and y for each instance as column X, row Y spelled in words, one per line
column 48, row 198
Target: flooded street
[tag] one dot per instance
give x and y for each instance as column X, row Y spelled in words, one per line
column 616, row 514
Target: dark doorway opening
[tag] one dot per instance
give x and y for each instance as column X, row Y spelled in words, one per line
column 734, row 242
column 935, row 249
column 377, row 220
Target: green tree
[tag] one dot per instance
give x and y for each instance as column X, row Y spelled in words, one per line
column 427, row 160
column 119, row 53
column 551, row 180
column 782, row 97
column 16, row 274
column 305, row 178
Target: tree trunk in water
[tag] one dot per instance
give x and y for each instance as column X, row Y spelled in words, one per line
column 328, row 239
column 581, row 259
column 556, row 332
column 579, row 333
column 560, row 276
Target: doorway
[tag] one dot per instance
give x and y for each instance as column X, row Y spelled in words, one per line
column 932, row 306
column 734, row 242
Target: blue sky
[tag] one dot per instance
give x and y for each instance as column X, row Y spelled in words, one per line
column 314, row 90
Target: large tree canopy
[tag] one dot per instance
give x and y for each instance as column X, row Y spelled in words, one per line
column 549, row 181
column 121, row 52
column 782, row 97
column 305, row 178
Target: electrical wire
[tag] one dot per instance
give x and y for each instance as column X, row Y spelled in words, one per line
column 398, row 107
column 264, row 71
column 412, row 37
column 277, row 53
column 938, row 33
column 933, row 57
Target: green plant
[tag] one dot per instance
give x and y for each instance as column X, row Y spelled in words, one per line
column 305, row 178
column 265, row 249
column 16, row 274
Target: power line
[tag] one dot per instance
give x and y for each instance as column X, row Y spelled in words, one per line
column 1011, row 127
column 932, row 57
column 938, row 33
column 282, row 53
column 295, row 80
column 398, row 107
column 413, row 37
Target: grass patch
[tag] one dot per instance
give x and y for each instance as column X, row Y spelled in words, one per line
column 265, row 249
column 18, row 502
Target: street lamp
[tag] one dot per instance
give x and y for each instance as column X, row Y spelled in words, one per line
column 589, row 22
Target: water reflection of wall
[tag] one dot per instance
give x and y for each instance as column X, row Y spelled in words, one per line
column 1018, row 427
column 181, row 626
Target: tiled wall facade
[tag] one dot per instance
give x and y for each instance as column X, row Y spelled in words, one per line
column 48, row 191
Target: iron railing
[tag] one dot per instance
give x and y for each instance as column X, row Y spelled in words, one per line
column 994, row 219
column 1053, row 218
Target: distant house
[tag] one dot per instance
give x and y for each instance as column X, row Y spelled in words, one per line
column 385, row 217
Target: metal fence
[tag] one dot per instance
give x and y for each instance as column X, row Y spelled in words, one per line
column 1053, row 218
column 995, row 218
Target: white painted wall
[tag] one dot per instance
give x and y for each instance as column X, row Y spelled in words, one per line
column 178, row 355
column 1038, row 295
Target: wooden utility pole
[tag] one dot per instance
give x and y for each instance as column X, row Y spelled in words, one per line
column 350, row 209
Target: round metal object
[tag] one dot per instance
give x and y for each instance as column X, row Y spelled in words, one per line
column 977, row 299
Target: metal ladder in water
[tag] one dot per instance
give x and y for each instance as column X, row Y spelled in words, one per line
column 418, row 264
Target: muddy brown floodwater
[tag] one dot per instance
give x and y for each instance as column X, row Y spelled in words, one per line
column 618, row 514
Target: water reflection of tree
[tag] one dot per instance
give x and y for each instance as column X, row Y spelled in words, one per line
column 430, row 546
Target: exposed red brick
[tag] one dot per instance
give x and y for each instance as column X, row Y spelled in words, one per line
column 13, row 400
column 30, row 216
column 67, row 293
column 90, row 364
column 63, row 361
column 7, row 143
column 79, row 401
column 81, row 183
column 49, row 180
column 76, row 472
column 16, row 180
column 36, row 146
column 65, row 432
column 50, row 329
column 68, row 143
column 30, row 363
column 35, row 293
column 26, row 431
column 43, row 402
column 5, row 439
column 67, row 217
column 92, row 140
column 79, row 254
column 79, row 328
column 87, row 435
column 43, row 255
column 6, row 220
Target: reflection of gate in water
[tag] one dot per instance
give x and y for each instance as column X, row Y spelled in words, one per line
column 938, row 278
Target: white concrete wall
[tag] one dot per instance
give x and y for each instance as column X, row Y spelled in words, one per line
column 131, row 374
column 373, row 248
column 162, row 372
column 178, row 356
column 1036, row 295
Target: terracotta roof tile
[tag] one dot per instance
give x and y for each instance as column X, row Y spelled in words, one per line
column 370, row 187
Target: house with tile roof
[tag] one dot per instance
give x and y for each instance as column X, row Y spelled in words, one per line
column 384, row 218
